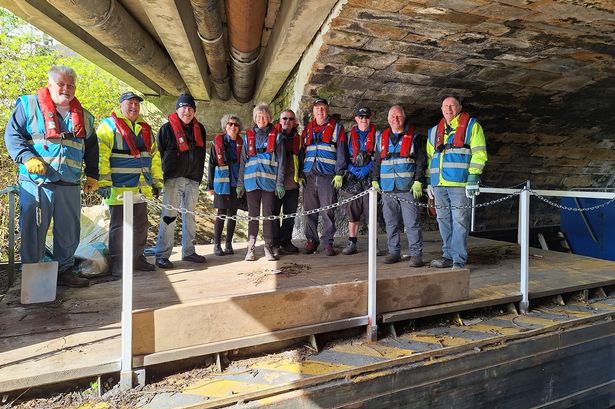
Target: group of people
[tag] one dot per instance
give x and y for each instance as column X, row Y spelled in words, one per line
column 52, row 138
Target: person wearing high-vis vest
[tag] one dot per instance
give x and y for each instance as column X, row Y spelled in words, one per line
column 399, row 171
column 261, row 176
column 457, row 153
column 223, row 174
column 181, row 142
column 51, row 136
column 283, row 229
column 129, row 161
column 324, row 161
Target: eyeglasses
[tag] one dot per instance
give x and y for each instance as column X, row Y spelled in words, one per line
column 364, row 116
column 232, row 124
column 287, row 119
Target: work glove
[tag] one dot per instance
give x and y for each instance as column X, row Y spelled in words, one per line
column 376, row 185
column 472, row 188
column 240, row 191
column 301, row 182
column 279, row 191
column 36, row 166
column 156, row 189
column 430, row 191
column 90, row 185
column 417, row 190
column 104, row 192
column 337, row 181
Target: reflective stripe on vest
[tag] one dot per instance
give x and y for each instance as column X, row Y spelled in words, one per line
column 452, row 161
column 321, row 155
column 261, row 169
column 396, row 168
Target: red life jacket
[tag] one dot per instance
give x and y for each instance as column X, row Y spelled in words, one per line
column 460, row 132
column 219, row 148
column 273, row 133
column 308, row 132
column 406, row 143
column 180, row 135
column 50, row 116
column 369, row 142
column 128, row 135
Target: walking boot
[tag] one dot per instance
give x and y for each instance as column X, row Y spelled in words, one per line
column 228, row 248
column 269, row 253
column 442, row 263
column 218, row 249
column 250, row 250
column 416, row 261
column 351, row 248
column 276, row 252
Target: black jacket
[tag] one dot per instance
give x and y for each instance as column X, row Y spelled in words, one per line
column 175, row 164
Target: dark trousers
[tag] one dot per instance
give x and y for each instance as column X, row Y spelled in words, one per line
column 319, row 192
column 282, row 235
column 230, row 225
column 116, row 230
column 256, row 198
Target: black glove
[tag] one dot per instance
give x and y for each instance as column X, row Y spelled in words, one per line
column 155, row 192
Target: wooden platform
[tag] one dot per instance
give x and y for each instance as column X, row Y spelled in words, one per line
column 78, row 336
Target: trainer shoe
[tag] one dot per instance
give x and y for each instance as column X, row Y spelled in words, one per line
column 164, row 262
column 351, row 248
column 392, row 259
column 416, row 261
column 218, row 249
column 310, row 247
column 270, row 253
column 289, row 248
column 457, row 266
column 329, row 250
column 441, row 263
column 195, row 258
column 228, row 248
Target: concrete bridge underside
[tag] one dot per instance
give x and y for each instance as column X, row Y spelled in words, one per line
column 538, row 74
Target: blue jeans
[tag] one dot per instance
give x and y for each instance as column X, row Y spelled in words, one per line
column 454, row 224
column 396, row 211
column 179, row 193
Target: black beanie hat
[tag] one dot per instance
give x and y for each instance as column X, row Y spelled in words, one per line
column 185, row 100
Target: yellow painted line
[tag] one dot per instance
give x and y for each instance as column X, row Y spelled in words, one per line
column 221, row 388
column 443, row 340
column 99, row 405
column 375, row 350
column 493, row 329
column 312, row 368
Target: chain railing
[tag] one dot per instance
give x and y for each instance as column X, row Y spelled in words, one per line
column 12, row 192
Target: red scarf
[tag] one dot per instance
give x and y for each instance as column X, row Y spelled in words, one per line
column 460, row 131
column 180, row 135
column 406, row 143
column 50, row 116
column 129, row 137
column 369, row 142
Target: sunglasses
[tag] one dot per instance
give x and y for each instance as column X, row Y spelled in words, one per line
column 364, row 116
column 232, row 124
column 287, row 119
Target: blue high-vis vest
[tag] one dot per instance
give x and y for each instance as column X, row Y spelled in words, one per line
column 452, row 162
column 397, row 172
column 225, row 176
column 261, row 170
column 64, row 156
column 126, row 169
column 322, row 156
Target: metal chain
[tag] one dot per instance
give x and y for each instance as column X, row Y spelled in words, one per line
column 571, row 209
column 427, row 205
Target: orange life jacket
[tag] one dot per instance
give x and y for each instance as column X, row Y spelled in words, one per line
column 180, row 135
column 406, row 143
column 369, row 142
column 308, row 132
column 128, row 135
column 50, row 116
column 460, row 132
column 273, row 133
column 219, row 148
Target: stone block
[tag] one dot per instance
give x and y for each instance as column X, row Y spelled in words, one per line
column 425, row 66
column 346, row 39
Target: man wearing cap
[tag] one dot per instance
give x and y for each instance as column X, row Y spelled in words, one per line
column 129, row 161
column 324, row 160
column 399, row 170
column 50, row 136
column 361, row 145
column 181, row 142
column 457, row 153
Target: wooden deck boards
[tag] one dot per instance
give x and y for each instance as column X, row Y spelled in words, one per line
column 78, row 335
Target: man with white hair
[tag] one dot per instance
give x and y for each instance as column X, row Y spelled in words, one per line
column 51, row 136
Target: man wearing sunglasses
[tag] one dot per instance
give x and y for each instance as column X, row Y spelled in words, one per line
column 283, row 234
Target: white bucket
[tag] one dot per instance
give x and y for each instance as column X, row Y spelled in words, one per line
column 38, row 282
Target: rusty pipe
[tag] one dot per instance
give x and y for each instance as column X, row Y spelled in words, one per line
column 110, row 23
column 245, row 20
column 210, row 32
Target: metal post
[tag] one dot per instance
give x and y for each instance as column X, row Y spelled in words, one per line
column 126, row 374
column 372, row 327
column 524, row 228
column 472, row 214
column 11, row 249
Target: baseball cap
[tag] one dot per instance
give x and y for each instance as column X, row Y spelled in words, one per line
column 185, row 100
column 129, row 95
column 320, row 100
column 363, row 111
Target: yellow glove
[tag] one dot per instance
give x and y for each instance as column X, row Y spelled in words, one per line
column 90, row 185
column 417, row 189
column 301, row 182
column 376, row 185
column 36, row 166
column 337, row 181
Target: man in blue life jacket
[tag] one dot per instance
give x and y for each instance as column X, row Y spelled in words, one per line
column 324, row 160
column 51, row 136
column 456, row 153
column 399, row 172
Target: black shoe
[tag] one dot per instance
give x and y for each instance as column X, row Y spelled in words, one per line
column 228, row 249
column 289, row 248
column 142, row 264
column 218, row 249
column 164, row 262
column 195, row 258
column 70, row 279
column 392, row 259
